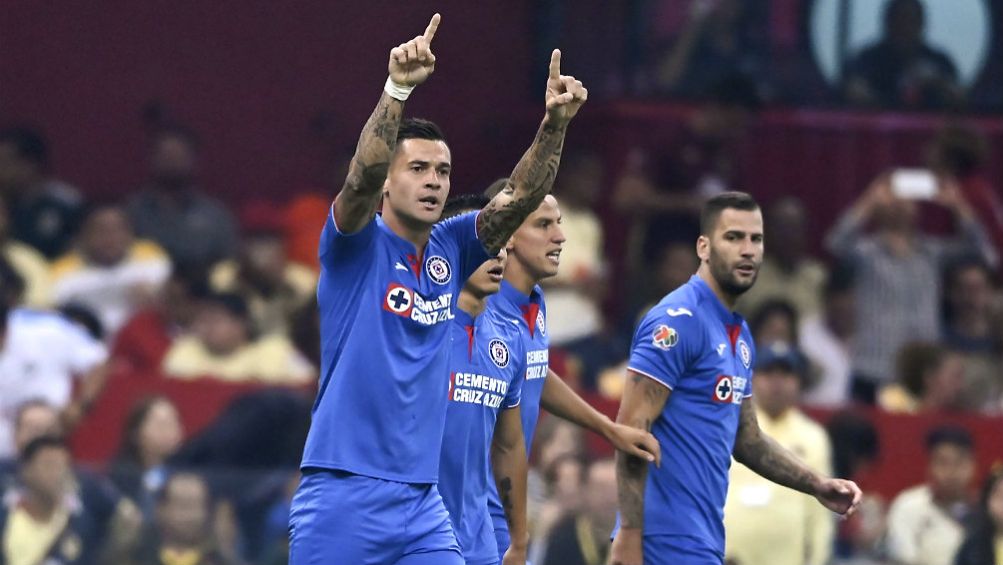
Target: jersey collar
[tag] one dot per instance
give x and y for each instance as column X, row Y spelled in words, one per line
column 726, row 316
column 514, row 296
column 462, row 317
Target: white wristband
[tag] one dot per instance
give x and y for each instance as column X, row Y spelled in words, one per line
column 398, row 91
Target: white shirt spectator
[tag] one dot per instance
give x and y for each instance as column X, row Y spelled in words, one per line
column 41, row 356
column 832, row 356
column 920, row 532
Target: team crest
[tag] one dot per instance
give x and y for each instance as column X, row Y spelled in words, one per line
column 744, row 353
column 499, row 353
column 541, row 324
column 438, row 269
column 665, row 337
column 398, row 300
column 724, row 390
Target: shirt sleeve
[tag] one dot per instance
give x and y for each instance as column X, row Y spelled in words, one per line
column 665, row 347
column 339, row 247
column 459, row 234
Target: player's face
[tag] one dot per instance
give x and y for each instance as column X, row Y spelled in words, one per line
column 487, row 279
column 418, row 182
column 538, row 242
column 734, row 251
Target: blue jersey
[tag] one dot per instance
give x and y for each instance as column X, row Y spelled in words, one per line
column 529, row 313
column 695, row 346
column 384, row 326
column 486, row 372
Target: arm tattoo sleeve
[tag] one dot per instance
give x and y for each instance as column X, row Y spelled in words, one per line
column 529, row 183
column 632, row 472
column 362, row 188
column 769, row 459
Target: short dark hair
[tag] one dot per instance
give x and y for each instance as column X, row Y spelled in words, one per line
column 463, row 203
column 712, row 208
column 893, row 6
column 770, row 308
column 83, row 316
column 29, row 143
column 232, row 302
column 495, row 187
column 914, row 361
column 418, row 128
column 38, row 444
column 949, row 435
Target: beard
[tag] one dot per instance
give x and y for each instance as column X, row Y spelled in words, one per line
column 727, row 280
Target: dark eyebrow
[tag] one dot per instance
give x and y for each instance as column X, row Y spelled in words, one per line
column 418, row 162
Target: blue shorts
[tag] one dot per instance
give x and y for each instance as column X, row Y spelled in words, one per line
column 677, row 550
column 340, row 518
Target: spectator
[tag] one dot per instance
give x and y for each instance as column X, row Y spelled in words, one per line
column 196, row 230
column 582, row 538
column 775, row 321
column 787, row 271
column 152, row 434
column 141, row 344
column 222, row 345
column 982, row 544
column 901, row 70
column 926, row 522
column 662, row 202
column 273, row 286
column 29, row 264
column 721, row 39
column 930, row 379
column 574, row 296
column 897, row 274
column 44, row 356
column 959, row 153
column 768, row 524
column 182, row 532
column 111, row 272
column 32, row 419
column 564, row 477
column 855, row 452
column 44, row 212
column 828, row 339
column 44, row 519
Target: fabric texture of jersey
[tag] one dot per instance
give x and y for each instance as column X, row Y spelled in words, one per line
column 384, row 320
column 487, row 367
column 529, row 313
column 695, row 346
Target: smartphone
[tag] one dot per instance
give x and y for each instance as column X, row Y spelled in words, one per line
column 914, row 184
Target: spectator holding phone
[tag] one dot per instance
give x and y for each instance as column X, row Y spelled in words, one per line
column 898, row 268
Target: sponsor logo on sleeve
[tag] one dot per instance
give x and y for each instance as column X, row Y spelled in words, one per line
column 665, row 337
column 438, row 269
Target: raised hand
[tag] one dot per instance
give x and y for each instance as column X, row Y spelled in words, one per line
column 565, row 95
column 411, row 63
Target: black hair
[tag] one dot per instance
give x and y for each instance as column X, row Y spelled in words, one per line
column 949, row 435
column 38, row 444
column 854, row 441
column 495, row 187
column 726, row 200
column 79, row 314
column 770, row 308
column 978, row 547
column 418, row 128
column 12, row 287
column 232, row 302
column 463, row 203
column 914, row 362
column 893, row 6
column 129, row 450
column 29, row 143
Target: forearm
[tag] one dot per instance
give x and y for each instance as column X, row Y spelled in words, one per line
column 773, row 462
column 560, row 400
column 631, row 476
column 508, row 462
column 529, row 183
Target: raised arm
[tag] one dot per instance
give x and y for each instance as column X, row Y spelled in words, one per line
column 508, row 462
column 534, row 175
column 772, row 461
column 410, row 64
column 561, row 401
column 642, row 402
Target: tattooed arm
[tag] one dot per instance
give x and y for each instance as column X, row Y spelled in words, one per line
column 534, row 175
column 410, row 64
column 508, row 462
column 642, row 402
column 766, row 457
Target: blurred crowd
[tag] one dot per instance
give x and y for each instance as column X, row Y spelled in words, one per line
column 900, row 312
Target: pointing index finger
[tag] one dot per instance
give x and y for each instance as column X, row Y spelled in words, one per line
column 432, row 26
column 555, row 64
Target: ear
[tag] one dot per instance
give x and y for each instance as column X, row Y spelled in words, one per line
column 510, row 245
column 703, row 248
column 386, row 187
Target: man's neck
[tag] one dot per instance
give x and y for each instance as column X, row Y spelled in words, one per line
column 416, row 235
column 471, row 303
column 519, row 278
column 727, row 299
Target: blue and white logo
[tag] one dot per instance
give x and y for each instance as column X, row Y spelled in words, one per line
column 499, row 353
column 438, row 269
column 744, row 353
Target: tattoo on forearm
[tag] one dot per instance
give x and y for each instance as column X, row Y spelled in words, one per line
column 376, row 145
column 768, row 458
column 632, row 473
column 505, row 493
column 529, row 183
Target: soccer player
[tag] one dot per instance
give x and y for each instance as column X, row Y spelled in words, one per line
column 535, row 254
column 689, row 373
column 487, row 367
column 386, row 295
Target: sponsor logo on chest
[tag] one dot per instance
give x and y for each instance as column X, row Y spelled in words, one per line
column 406, row 303
column 472, row 388
column 729, row 389
column 537, row 363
